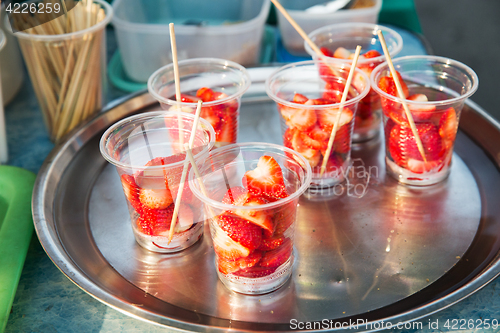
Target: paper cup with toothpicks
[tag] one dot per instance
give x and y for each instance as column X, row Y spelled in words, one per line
column 308, row 96
column 435, row 89
column 149, row 157
column 66, row 61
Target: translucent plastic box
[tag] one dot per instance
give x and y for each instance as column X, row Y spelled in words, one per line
column 309, row 21
column 227, row 29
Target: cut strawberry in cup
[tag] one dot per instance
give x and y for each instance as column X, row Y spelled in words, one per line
column 145, row 149
column 308, row 100
column 250, row 193
column 338, row 42
column 218, row 83
column 435, row 90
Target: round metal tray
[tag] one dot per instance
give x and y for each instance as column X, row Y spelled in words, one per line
column 376, row 250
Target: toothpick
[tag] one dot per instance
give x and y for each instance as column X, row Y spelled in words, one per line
column 308, row 40
column 395, row 76
column 177, row 82
column 187, row 147
column 341, row 109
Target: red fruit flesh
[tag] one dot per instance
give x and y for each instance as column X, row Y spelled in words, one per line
column 241, row 231
column 303, row 147
column 387, row 85
column 278, row 256
column 231, row 266
column 448, row 125
column 234, row 194
column 372, row 54
column 272, row 243
column 266, row 179
column 131, row 191
column 326, row 52
column 299, row 98
column 255, row 272
column 328, row 117
column 156, row 222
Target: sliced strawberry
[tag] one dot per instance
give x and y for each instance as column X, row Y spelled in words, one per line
column 299, row 98
column 228, row 128
column 448, row 125
column 156, row 222
column 155, row 198
column 283, row 219
column 300, row 118
column 189, row 98
column 206, row 94
column 311, row 142
column 326, row 51
column 301, row 146
column 342, row 141
column 319, row 135
column 371, row 54
column 386, row 83
column 234, row 194
column 266, row 179
column 327, row 117
column 255, row 272
column 269, row 244
column 417, row 166
column 342, row 53
column 131, row 191
column 261, row 218
column 288, row 136
column 278, row 256
column 334, row 89
column 231, row 266
column 420, row 112
column 359, row 82
column 227, row 248
column 403, row 146
column 211, row 114
column 241, row 231
column 333, row 165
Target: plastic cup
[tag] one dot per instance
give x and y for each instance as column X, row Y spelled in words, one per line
column 348, row 36
column 226, row 82
column 445, row 84
column 268, row 264
column 68, row 70
column 149, row 158
column 307, row 96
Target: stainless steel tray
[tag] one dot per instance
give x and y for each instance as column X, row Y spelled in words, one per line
column 376, row 251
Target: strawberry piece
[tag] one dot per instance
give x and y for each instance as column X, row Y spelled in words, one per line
column 159, row 198
column 189, row 98
column 260, row 218
column 420, row 112
column 387, row 85
column 287, row 137
column 311, row 142
column 403, row 146
column 326, row 51
column 302, row 147
column 299, row 98
column 342, row 53
column 371, row 54
column 327, row 117
column 334, row 88
column 342, row 141
column 227, row 248
column 448, row 125
column 255, row 272
column 266, row 179
column 319, row 135
column 234, row 194
column 230, row 266
column 131, row 191
column 240, row 230
column 278, row 256
column 227, row 132
column 283, row 219
column 206, row 94
column 211, row 115
column 333, row 165
column 156, row 222
column 417, row 166
column 300, row 118
column 271, row 243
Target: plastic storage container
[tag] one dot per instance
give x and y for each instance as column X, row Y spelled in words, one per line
column 309, row 21
column 227, row 29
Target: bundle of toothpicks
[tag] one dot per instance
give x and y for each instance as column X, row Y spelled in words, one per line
column 66, row 72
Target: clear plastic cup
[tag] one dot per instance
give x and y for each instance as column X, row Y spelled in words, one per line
column 437, row 88
column 253, row 240
column 226, row 82
column 348, row 36
column 148, row 154
column 307, row 96
column 68, row 70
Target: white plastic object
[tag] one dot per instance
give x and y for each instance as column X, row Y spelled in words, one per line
column 231, row 30
column 312, row 21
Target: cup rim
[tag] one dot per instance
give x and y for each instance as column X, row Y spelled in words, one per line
column 153, row 114
column 374, row 27
column 254, row 145
column 454, row 63
column 347, row 103
column 212, row 61
column 50, row 38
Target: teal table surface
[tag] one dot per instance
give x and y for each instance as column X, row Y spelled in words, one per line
column 47, row 301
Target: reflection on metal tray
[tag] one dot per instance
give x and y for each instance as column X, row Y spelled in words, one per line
column 377, row 250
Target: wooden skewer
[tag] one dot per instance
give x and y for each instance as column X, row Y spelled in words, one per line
column 308, row 40
column 187, row 148
column 177, row 82
column 341, row 109
column 395, row 77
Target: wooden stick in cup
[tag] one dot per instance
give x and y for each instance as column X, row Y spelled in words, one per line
column 177, row 82
column 187, row 147
column 395, row 77
column 341, row 109
column 303, row 34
